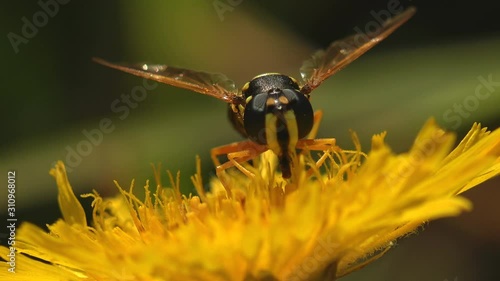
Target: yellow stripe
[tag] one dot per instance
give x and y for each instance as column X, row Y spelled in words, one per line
column 293, row 131
column 272, row 136
column 265, row 74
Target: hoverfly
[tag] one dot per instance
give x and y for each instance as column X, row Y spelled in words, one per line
column 272, row 110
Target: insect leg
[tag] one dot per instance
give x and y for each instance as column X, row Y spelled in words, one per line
column 318, row 145
column 237, row 153
column 229, row 148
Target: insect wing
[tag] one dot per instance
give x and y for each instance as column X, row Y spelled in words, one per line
column 325, row 63
column 212, row 84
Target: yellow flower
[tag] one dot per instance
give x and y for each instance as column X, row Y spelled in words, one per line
column 315, row 227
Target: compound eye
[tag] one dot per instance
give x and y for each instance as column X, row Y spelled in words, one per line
column 255, row 118
column 302, row 109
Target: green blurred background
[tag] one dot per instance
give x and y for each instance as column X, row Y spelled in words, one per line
column 52, row 92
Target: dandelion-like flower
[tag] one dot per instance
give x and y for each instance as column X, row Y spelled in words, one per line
column 314, row 227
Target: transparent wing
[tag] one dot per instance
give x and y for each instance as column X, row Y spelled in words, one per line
column 212, row 84
column 325, row 63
